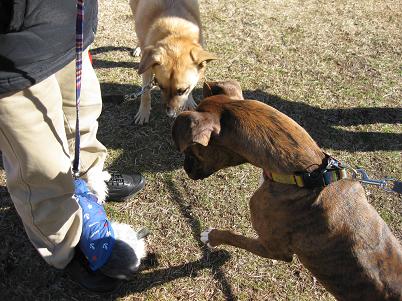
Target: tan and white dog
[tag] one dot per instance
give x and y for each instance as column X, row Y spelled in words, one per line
column 170, row 39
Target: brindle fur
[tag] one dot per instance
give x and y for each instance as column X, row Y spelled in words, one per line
column 334, row 231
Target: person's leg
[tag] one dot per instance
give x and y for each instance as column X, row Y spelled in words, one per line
column 92, row 152
column 38, row 169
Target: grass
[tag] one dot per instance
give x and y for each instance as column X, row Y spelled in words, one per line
column 334, row 67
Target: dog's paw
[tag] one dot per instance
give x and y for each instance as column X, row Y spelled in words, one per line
column 136, row 52
column 97, row 184
column 204, row 237
column 142, row 116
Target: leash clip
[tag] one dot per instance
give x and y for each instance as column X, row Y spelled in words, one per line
column 148, row 87
column 361, row 175
column 76, row 174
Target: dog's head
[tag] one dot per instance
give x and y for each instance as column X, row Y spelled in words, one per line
column 177, row 66
column 200, row 136
column 128, row 253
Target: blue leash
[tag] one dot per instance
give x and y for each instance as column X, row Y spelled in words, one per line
column 79, row 43
column 97, row 237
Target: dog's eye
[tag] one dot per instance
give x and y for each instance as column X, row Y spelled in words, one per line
column 180, row 92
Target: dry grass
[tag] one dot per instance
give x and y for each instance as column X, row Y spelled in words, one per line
column 333, row 66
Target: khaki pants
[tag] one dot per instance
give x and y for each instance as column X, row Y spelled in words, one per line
column 37, row 128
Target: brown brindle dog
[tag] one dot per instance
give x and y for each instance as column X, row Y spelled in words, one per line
column 333, row 230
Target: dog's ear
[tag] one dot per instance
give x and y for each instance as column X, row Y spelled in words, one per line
column 230, row 88
column 201, row 56
column 150, row 56
column 207, row 89
column 194, row 127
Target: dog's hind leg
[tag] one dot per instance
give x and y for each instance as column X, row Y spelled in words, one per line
column 215, row 237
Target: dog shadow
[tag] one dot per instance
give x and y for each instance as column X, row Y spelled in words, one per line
column 144, row 148
column 99, row 63
column 323, row 124
column 147, row 280
column 149, row 147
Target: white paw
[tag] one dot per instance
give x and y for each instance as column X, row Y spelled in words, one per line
column 204, row 237
column 142, row 115
column 190, row 103
column 96, row 183
column 106, row 176
column 136, row 51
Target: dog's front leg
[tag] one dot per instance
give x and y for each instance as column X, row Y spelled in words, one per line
column 144, row 111
column 215, row 237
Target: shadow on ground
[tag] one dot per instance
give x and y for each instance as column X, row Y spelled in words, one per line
column 23, row 272
column 98, row 63
column 150, row 148
column 322, row 124
column 148, row 280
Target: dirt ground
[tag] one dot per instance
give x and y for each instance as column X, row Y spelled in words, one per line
column 333, row 66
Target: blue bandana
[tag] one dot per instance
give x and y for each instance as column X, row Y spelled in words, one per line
column 97, row 237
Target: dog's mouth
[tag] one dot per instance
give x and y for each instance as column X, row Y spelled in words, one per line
column 194, row 172
column 197, row 176
column 175, row 104
column 171, row 112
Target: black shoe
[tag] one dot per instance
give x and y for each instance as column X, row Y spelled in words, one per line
column 121, row 186
column 79, row 271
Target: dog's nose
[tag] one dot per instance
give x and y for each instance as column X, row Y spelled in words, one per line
column 170, row 112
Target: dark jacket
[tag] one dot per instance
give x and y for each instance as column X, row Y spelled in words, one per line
column 37, row 38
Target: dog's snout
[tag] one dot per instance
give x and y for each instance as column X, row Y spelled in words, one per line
column 193, row 168
column 170, row 112
column 189, row 164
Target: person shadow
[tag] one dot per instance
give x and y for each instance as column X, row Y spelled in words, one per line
column 20, row 263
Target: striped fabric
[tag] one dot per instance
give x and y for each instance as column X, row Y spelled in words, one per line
column 79, row 42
